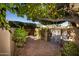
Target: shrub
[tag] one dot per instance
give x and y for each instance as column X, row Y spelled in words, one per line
column 20, row 36
column 70, row 49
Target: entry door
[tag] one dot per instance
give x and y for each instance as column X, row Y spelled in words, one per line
column 56, row 36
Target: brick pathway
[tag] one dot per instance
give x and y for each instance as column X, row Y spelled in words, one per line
column 39, row 48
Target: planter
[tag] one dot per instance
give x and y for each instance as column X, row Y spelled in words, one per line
column 19, row 44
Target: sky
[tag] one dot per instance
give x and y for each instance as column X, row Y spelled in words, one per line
column 14, row 17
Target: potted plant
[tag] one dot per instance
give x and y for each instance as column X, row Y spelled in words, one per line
column 20, row 37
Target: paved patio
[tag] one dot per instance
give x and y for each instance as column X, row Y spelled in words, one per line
column 39, row 48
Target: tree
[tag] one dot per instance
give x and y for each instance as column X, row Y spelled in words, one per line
column 33, row 11
column 38, row 11
column 3, row 22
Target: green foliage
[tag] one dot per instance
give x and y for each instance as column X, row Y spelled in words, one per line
column 40, row 10
column 33, row 11
column 3, row 22
column 20, row 36
column 70, row 49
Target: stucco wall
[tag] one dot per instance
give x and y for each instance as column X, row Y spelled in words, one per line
column 4, row 42
column 75, row 7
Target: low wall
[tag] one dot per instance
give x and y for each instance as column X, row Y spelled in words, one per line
column 5, row 42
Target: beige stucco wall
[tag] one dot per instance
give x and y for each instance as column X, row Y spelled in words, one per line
column 76, row 6
column 4, row 42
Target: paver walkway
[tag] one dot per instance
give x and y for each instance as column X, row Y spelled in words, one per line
column 39, row 48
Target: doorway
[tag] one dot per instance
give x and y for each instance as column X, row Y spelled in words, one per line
column 58, row 36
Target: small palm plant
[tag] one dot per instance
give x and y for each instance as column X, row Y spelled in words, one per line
column 20, row 37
